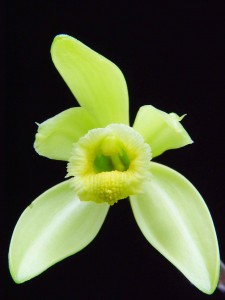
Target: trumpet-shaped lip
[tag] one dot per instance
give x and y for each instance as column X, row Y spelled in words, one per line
column 124, row 159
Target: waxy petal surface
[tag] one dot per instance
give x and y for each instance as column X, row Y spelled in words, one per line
column 55, row 136
column 98, row 84
column 175, row 220
column 160, row 130
column 56, row 225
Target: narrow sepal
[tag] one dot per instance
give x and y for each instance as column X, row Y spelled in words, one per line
column 175, row 220
column 54, row 226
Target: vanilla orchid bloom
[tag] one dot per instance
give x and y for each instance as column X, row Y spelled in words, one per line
column 108, row 160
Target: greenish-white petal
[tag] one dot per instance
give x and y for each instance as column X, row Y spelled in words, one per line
column 56, row 135
column 175, row 219
column 54, row 226
column 160, row 130
column 98, row 84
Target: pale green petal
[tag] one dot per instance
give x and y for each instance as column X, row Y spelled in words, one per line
column 174, row 218
column 160, row 130
column 56, row 136
column 97, row 83
column 56, row 225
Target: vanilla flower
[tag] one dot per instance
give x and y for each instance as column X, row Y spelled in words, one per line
column 108, row 161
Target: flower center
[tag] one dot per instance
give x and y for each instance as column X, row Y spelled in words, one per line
column 111, row 156
column 109, row 164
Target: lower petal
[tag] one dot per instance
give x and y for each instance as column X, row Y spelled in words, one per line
column 54, row 226
column 174, row 218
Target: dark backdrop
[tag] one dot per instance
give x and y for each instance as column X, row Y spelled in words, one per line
column 172, row 55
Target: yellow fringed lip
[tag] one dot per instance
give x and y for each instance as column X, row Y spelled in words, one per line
column 109, row 164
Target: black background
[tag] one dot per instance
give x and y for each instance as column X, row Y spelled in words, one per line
column 172, row 56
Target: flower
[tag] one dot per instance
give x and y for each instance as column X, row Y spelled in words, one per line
column 108, row 160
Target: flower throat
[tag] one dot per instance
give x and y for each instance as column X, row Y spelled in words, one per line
column 111, row 156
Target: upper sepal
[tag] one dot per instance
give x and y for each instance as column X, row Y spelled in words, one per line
column 97, row 83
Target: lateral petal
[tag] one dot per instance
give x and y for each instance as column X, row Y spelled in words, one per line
column 55, row 136
column 160, row 130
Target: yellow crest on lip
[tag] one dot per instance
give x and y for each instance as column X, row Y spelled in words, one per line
column 109, row 164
